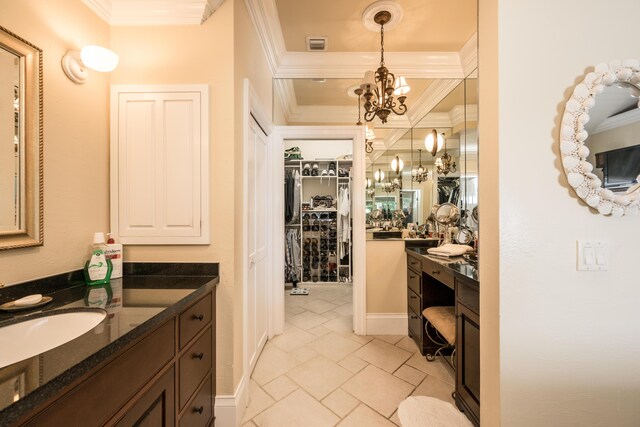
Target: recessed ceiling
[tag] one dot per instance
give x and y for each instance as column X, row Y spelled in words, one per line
column 427, row 25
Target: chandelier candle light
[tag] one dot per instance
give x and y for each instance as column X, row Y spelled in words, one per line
column 445, row 165
column 378, row 88
column 419, row 174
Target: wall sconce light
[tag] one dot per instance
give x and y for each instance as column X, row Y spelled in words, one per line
column 378, row 176
column 397, row 165
column 75, row 63
column 430, row 142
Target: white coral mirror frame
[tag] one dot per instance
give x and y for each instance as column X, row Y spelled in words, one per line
column 573, row 150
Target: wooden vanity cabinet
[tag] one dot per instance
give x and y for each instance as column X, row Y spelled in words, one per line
column 468, row 349
column 428, row 284
column 167, row 378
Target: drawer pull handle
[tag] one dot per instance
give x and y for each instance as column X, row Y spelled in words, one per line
column 411, row 276
column 199, row 409
column 198, row 356
column 435, row 271
column 199, row 317
column 414, row 317
column 413, row 297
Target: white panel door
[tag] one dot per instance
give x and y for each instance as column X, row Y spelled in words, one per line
column 257, row 242
column 159, row 173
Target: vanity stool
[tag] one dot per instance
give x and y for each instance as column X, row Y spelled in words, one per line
column 443, row 320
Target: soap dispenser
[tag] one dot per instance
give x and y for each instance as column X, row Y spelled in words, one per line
column 97, row 272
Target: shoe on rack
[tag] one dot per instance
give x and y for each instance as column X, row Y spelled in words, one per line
column 293, row 153
column 314, row 170
column 324, row 172
column 306, row 170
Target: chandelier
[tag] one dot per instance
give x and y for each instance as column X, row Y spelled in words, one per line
column 378, row 88
column 397, row 165
column 419, row 174
column 445, row 164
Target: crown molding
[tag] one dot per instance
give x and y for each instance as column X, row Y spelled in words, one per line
column 431, row 97
column 425, row 65
column 153, row 12
column 619, row 120
column 469, row 55
column 264, row 15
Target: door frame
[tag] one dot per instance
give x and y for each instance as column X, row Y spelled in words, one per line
column 253, row 109
column 356, row 134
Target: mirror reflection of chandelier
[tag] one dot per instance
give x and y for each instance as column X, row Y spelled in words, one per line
column 397, row 165
column 378, row 176
column 433, row 142
column 378, row 88
column 420, row 174
column 445, row 164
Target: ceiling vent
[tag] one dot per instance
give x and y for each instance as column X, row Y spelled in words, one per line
column 317, row 44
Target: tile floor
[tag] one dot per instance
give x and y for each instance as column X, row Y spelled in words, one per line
column 318, row 373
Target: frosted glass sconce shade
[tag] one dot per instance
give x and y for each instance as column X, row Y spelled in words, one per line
column 75, row 63
column 433, row 142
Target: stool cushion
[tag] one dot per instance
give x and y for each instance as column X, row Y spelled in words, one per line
column 444, row 320
column 423, row 411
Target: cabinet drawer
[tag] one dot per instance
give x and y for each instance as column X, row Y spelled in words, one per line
column 468, row 295
column 438, row 272
column 199, row 411
column 414, row 282
column 414, row 301
column 156, row 407
column 195, row 363
column 100, row 396
column 415, row 324
column 194, row 319
column 414, row 263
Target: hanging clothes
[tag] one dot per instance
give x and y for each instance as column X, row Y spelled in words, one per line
column 293, row 263
column 344, row 226
column 297, row 183
column 289, row 184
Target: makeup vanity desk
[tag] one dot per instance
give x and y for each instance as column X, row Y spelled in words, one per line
column 437, row 281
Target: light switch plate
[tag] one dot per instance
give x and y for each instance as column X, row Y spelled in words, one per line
column 593, row 255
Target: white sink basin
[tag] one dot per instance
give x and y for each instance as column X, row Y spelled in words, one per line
column 20, row 341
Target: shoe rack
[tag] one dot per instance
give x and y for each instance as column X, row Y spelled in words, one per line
column 318, row 220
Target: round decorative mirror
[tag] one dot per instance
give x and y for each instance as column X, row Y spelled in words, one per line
column 447, row 213
column 464, row 236
column 598, row 142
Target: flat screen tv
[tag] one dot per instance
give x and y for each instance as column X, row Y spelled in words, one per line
column 620, row 167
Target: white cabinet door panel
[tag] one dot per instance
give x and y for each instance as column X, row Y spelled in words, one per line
column 159, row 170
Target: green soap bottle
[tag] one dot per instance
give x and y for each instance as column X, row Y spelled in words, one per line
column 97, row 269
column 97, row 273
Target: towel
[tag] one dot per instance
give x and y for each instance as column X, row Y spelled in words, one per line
column 450, row 249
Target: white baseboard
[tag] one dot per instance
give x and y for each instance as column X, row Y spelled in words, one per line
column 230, row 408
column 387, row 323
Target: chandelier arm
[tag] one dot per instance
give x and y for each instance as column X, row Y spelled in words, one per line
column 401, row 109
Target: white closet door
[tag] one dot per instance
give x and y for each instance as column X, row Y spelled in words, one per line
column 257, row 242
column 159, row 171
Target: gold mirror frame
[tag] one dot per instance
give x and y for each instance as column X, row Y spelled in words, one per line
column 31, row 232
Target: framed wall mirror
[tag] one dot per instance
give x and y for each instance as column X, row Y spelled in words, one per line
column 21, row 139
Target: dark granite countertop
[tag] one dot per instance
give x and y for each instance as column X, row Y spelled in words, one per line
column 147, row 295
column 457, row 265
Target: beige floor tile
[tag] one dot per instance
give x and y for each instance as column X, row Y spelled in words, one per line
column 249, row 424
column 280, row 387
column 295, row 309
column 391, row 339
column 292, row 338
column 383, row 355
column 407, row 343
column 331, row 315
column 353, row 363
column 433, row 387
column 437, row 368
column 296, row 410
column 342, row 325
column 319, row 331
column 410, row 375
column 378, row 389
column 343, row 300
column 258, row 401
column 319, row 306
column 334, row 346
column 303, row 354
column 272, row 363
column 319, row 376
column 307, row 320
column 297, row 301
column 340, row 403
column 395, row 419
column 364, row 416
column 361, row 339
column 344, row 309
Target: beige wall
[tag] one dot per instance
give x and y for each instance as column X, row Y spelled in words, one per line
column 76, row 147
column 386, row 276
column 568, row 345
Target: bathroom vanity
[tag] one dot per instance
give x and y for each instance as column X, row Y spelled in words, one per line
column 437, row 281
column 151, row 361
